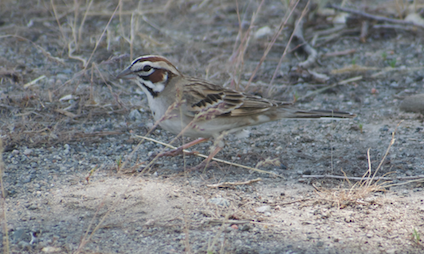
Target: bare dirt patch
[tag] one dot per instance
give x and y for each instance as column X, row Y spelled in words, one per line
column 71, row 182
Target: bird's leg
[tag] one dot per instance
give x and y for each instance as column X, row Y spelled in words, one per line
column 180, row 150
column 218, row 145
column 204, row 164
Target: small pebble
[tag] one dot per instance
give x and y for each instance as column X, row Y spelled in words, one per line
column 135, row 115
column 394, row 85
column 263, row 32
column 28, row 151
column 245, row 228
column 263, row 209
column 219, row 201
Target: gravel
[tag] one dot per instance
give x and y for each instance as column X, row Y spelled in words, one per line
column 76, row 179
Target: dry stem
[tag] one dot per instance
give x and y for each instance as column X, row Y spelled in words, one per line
column 205, row 156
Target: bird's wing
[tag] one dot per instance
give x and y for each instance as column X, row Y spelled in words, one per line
column 202, row 96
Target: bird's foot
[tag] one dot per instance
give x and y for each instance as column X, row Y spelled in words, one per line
column 175, row 152
column 180, row 150
column 203, row 165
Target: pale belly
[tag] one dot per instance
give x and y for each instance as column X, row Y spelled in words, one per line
column 177, row 122
column 203, row 129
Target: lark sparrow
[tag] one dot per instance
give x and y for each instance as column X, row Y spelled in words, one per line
column 203, row 109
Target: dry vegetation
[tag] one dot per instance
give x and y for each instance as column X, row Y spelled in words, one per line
column 57, row 66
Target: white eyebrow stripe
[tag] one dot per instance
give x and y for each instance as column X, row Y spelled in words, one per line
column 145, row 73
column 163, row 64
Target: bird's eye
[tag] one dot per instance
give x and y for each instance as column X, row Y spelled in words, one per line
column 147, row 68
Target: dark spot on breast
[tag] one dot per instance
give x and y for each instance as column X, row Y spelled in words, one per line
column 153, row 93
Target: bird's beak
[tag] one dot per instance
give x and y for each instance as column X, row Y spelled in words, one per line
column 126, row 74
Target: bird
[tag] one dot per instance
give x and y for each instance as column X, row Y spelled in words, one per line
column 200, row 109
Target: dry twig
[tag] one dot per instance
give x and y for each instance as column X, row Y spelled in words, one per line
column 364, row 31
column 364, row 178
column 343, row 82
column 231, row 222
column 374, row 17
column 339, row 53
column 230, row 184
column 312, row 53
column 272, row 42
column 205, row 156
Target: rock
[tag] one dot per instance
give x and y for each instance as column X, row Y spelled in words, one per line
column 51, row 249
column 408, row 80
column 19, row 235
column 415, row 18
column 24, row 245
column 28, row 151
column 229, row 229
column 67, row 147
column 263, row 209
column 234, row 226
column 414, row 103
column 263, row 32
column 219, row 201
column 135, row 115
column 394, row 85
column 245, row 228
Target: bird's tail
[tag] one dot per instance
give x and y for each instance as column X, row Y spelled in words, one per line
column 319, row 114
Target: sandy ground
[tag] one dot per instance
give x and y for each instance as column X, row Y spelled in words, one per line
column 72, row 181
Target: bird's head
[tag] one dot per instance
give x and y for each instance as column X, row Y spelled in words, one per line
column 151, row 73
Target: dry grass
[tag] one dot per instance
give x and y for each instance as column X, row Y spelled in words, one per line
column 359, row 192
column 75, row 40
column 80, row 45
column 6, row 244
column 45, row 114
column 47, row 106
